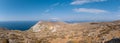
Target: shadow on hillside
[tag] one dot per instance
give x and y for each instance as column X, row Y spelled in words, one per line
column 115, row 40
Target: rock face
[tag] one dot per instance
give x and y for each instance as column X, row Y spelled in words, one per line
column 60, row 32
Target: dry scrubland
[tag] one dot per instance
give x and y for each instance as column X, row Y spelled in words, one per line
column 60, row 32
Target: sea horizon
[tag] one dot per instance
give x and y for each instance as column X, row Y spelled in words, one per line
column 25, row 25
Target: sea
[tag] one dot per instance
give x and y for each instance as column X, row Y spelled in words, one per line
column 20, row 25
column 25, row 25
column 17, row 25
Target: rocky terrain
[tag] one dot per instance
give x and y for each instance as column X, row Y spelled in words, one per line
column 61, row 32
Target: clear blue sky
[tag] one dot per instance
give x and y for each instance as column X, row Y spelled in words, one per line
column 23, row 10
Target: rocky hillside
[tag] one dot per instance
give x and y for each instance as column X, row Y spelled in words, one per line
column 61, row 32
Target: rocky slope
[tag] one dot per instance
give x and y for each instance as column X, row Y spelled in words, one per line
column 60, row 32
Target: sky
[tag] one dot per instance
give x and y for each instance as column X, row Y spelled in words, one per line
column 63, row 10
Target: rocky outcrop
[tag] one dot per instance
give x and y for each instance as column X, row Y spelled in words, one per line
column 60, row 32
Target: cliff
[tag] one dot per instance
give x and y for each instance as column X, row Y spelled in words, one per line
column 61, row 32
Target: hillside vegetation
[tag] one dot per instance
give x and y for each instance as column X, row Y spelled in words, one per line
column 60, row 32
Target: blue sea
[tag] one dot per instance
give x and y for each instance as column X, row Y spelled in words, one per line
column 21, row 25
column 25, row 25
column 17, row 25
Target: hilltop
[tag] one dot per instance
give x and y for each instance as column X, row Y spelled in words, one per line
column 61, row 32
